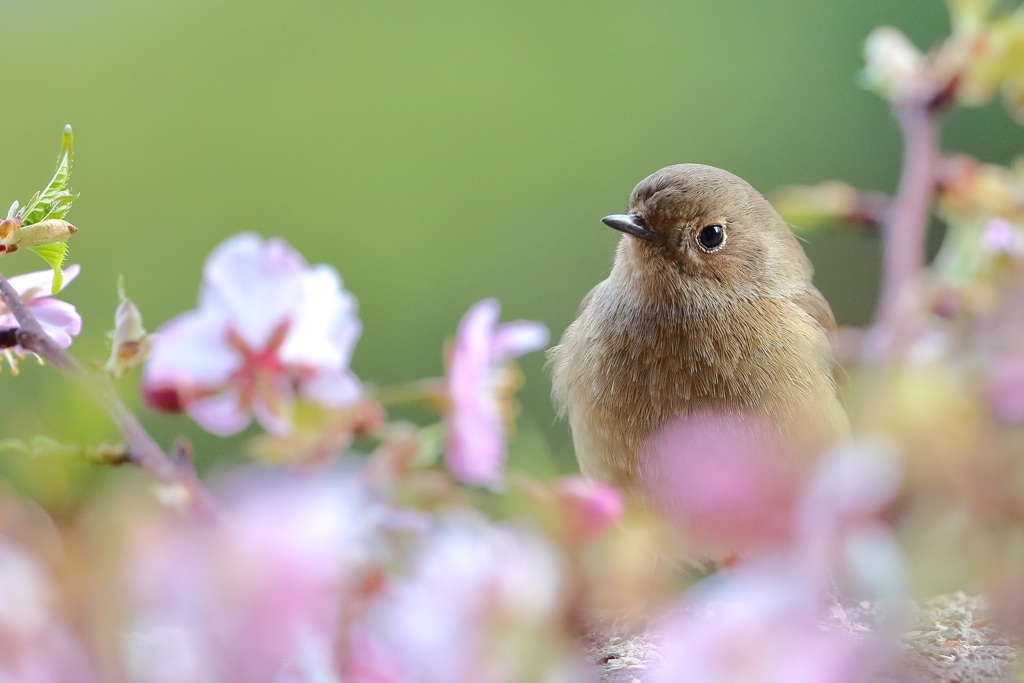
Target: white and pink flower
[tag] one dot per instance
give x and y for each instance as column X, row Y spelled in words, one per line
column 269, row 329
column 59, row 319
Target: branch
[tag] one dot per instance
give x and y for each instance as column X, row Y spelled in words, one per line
column 905, row 224
column 143, row 451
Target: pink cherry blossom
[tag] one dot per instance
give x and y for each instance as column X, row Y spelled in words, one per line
column 58, row 319
column 478, row 378
column 269, row 329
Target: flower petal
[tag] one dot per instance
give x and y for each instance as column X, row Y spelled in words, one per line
column 257, row 284
column 192, row 350
column 332, row 388
column 516, row 338
column 470, row 360
column 220, row 414
column 273, row 405
column 476, row 449
column 59, row 319
column 39, row 284
column 324, row 327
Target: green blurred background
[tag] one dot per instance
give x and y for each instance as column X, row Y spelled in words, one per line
column 434, row 152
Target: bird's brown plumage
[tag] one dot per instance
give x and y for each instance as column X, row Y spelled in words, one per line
column 678, row 327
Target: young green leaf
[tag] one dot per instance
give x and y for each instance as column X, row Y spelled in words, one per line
column 55, row 199
column 53, row 202
column 54, row 254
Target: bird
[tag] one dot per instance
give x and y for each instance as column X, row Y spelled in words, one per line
column 709, row 307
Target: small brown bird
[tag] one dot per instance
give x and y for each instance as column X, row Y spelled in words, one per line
column 709, row 307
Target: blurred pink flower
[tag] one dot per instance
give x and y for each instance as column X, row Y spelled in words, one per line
column 728, row 481
column 1005, row 394
column 479, row 380
column 259, row 596
column 59, row 319
column 35, row 646
column 589, row 507
column 839, row 536
column 1000, row 236
column 479, row 603
column 769, row 620
column 763, row 626
column 268, row 328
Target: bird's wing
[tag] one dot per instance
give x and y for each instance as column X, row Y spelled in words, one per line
column 586, row 300
column 815, row 305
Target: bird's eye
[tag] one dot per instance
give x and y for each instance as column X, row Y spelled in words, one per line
column 711, row 237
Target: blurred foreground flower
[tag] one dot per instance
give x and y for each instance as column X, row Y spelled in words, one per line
column 59, row 319
column 260, row 596
column 839, row 536
column 481, row 603
column 269, row 329
column 480, row 382
column 771, row 619
column 763, row 627
column 35, row 647
column 727, row 481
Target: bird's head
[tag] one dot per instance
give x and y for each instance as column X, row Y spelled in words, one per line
column 711, row 234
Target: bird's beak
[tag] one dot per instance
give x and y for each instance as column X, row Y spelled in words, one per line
column 631, row 224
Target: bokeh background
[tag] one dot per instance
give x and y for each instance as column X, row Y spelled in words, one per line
column 435, row 153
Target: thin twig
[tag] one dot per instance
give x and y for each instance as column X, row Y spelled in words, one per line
column 143, row 451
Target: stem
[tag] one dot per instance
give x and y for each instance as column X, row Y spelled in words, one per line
column 906, row 222
column 143, row 451
column 430, row 392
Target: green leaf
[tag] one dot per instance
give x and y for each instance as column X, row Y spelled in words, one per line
column 54, row 201
column 54, row 254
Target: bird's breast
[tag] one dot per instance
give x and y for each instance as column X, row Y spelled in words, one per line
column 624, row 370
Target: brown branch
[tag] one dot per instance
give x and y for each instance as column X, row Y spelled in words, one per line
column 142, row 450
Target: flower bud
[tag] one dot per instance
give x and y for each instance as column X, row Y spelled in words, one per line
column 128, row 337
column 40, row 234
column 588, row 507
column 893, row 66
